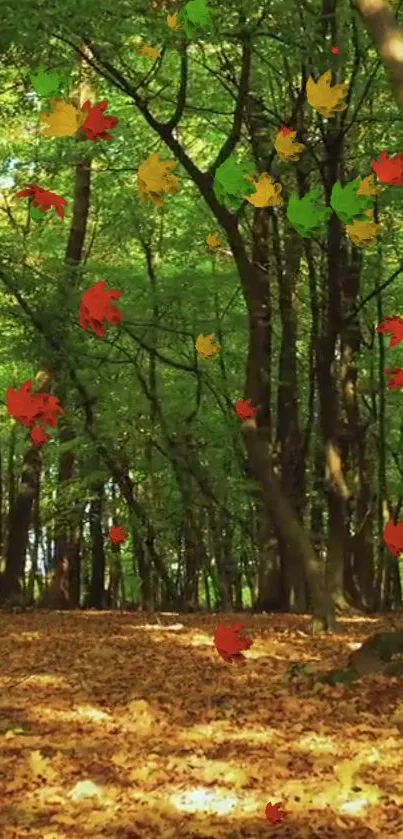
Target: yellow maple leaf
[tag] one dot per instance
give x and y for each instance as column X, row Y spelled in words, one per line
column 368, row 186
column 363, row 233
column 326, row 98
column 154, row 177
column 213, row 241
column 286, row 146
column 268, row 194
column 149, row 52
column 64, row 120
column 172, row 21
column 41, row 767
column 205, row 346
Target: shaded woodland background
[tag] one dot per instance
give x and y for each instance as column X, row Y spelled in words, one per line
column 283, row 514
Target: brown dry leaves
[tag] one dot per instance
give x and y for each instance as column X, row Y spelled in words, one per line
column 117, row 725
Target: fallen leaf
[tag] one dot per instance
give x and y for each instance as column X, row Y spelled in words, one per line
column 364, row 233
column 286, row 146
column 117, row 534
column 397, row 378
column 96, row 307
column 368, row 186
column 46, row 83
column 274, row 813
column 393, row 325
column 205, row 346
column 43, row 198
column 154, row 177
column 21, row 404
column 96, row 124
column 173, row 23
column 39, row 436
column 213, row 241
column 245, row 409
column 389, row 170
column 393, row 537
column 64, row 119
column 41, row 767
column 325, row 97
column 149, row 52
column 232, row 182
column 306, row 215
column 229, row 643
column 268, row 194
column 348, row 204
column 195, row 15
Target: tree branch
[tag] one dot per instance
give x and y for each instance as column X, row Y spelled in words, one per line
column 235, row 133
column 180, row 107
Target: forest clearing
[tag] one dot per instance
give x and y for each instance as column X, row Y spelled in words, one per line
column 201, row 471
column 114, row 725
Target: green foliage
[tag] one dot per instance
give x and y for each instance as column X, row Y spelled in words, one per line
column 306, row 214
column 195, row 15
column 349, row 206
column 46, row 83
column 230, row 185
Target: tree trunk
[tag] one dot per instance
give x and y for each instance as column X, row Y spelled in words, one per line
column 19, row 522
column 387, row 36
column 97, row 591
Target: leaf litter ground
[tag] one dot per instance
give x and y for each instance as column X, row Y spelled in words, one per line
column 131, row 726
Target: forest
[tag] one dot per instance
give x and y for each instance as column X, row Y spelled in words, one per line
column 224, row 412
column 200, row 394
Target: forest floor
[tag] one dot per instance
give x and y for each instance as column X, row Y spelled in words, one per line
column 130, row 726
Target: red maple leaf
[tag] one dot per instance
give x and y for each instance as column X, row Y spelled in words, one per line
column 394, row 325
column 27, row 407
column 393, row 537
column 39, row 435
column 397, row 377
column 97, row 123
column 244, row 409
column 43, row 198
column 286, row 130
column 389, row 170
column 117, row 534
column 335, row 50
column 21, row 404
column 96, row 306
column 48, row 407
column 274, row 813
column 229, row 644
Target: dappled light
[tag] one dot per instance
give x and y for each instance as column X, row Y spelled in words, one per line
column 201, row 434
column 163, row 727
column 204, row 800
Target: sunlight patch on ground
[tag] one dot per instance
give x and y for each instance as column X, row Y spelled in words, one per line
column 36, row 680
column 172, row 627
column 204, row 800
column 85, row 789
column 83, row 712
column 227, row 733
column 355, row 806
column 17, row 637
column 357, row 619
column 316, row 743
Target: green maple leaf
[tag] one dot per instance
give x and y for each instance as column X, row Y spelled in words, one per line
column 46, row 83
column 306, row 215
column 229, row 183
column 195, row 15
column 36, row 213
column 349, row 206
